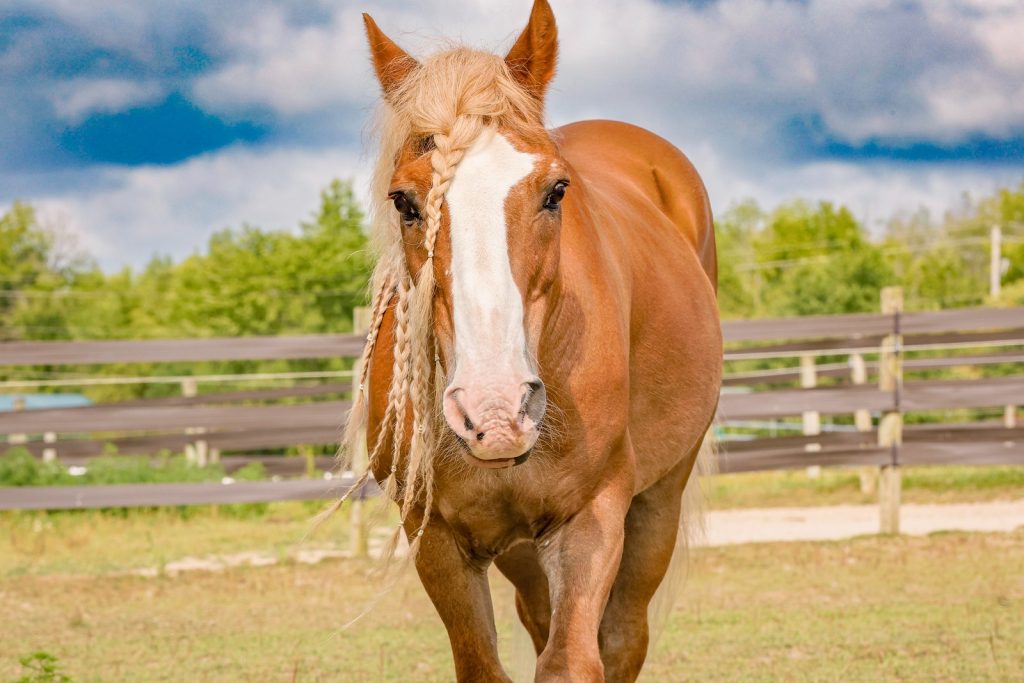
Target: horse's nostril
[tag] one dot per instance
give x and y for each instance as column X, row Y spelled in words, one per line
column 467, row 423
column 534, row 401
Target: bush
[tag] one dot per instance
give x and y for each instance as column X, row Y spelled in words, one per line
column 41, row 667
column 19, row 468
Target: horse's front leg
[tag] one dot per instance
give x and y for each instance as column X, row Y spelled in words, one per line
column 581, row 559
column 457, row 585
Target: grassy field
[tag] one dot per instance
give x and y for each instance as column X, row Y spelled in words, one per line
column 945, row 608
column 841, row 485
column 949, row 607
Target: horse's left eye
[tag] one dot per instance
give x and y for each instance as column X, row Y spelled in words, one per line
column 556, row 195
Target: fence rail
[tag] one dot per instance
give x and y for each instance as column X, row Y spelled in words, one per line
column 159, row 495
column 257, row 419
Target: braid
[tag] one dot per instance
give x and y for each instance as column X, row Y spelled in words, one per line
column 358, row 413
column 401, row 376
column 414, row 368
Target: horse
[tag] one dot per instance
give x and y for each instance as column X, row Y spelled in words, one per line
column 544, row 356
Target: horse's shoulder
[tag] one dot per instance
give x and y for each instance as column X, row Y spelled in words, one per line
column 620, row 157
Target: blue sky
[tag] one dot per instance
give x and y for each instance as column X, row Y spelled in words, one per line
column 142, row 127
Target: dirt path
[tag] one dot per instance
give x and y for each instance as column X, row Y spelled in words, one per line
column 724, row 527
column 729, row 527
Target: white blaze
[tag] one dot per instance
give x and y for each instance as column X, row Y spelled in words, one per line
column 487, row 305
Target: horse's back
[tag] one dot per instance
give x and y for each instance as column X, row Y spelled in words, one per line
column 627, row 157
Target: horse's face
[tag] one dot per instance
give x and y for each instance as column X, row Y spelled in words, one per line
column 495, row 256
column 495, row 261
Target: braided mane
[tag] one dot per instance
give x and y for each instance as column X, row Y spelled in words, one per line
column 449, row 98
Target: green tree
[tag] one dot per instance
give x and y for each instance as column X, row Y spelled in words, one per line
column 735, row 231
column 816, row 260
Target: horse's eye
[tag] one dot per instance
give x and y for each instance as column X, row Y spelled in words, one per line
column 405, row 207
column 556, row 195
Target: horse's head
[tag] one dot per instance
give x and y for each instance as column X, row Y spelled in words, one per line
column 475, row 189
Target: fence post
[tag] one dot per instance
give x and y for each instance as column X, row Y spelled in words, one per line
column 862, row 420
column 890, row 427
column 18, row 439
column 49, row 452
column 195, row 451
column 811, row 418
column 359, row 530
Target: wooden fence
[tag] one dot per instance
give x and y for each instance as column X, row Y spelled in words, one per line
column 871, row 344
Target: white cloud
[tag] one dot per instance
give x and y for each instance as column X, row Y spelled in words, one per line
column 719, row 80
column 132, row 213
column 936, row 70
column 874, row 192
column 292, row 69
column 75, row 99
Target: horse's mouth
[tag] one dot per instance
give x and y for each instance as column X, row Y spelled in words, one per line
column 496, row 464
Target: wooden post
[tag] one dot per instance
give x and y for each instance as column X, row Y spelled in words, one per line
column 196, row 452
column 862, row 420
column 1010, row 417
column 890, row 427
column 307, row 454
column 18, row 439
column 49, row 452
column 811, row 418
column 359, row 529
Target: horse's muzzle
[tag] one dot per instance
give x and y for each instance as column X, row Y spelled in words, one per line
column 496, row 426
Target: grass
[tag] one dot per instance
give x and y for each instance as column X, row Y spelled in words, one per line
column 949, row 607
column 946, row 607
column 98, row 542
column 841, row 485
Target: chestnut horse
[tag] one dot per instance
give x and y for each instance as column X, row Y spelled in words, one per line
column 545, row 353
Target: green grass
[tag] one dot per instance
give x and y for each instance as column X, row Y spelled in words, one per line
column 944, row 608
column 98, row 542
column 841, row 485
column 949, row 607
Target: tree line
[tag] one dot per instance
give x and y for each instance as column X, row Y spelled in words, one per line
column 800, row 258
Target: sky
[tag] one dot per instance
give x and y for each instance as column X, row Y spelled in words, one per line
column 143, row 126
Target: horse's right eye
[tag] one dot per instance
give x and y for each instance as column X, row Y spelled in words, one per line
column 405, row 207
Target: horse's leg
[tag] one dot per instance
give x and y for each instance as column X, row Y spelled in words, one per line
column 651, row 528
column 521, row 566
column 457, row 585
column 581, row 558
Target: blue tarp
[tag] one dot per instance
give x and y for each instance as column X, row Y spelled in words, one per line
column 41, row 401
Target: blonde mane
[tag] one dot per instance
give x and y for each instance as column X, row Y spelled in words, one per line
column 447, row 99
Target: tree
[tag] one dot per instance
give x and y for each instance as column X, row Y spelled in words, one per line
column 38, row 264
column 800, row 259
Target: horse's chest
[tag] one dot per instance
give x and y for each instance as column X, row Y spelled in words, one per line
column 487, row 524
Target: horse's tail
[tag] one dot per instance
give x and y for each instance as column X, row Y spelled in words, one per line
column 522, row 659
column 691, row 531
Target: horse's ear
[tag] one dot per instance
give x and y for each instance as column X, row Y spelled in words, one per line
column 392, row 63
column 532, row 59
